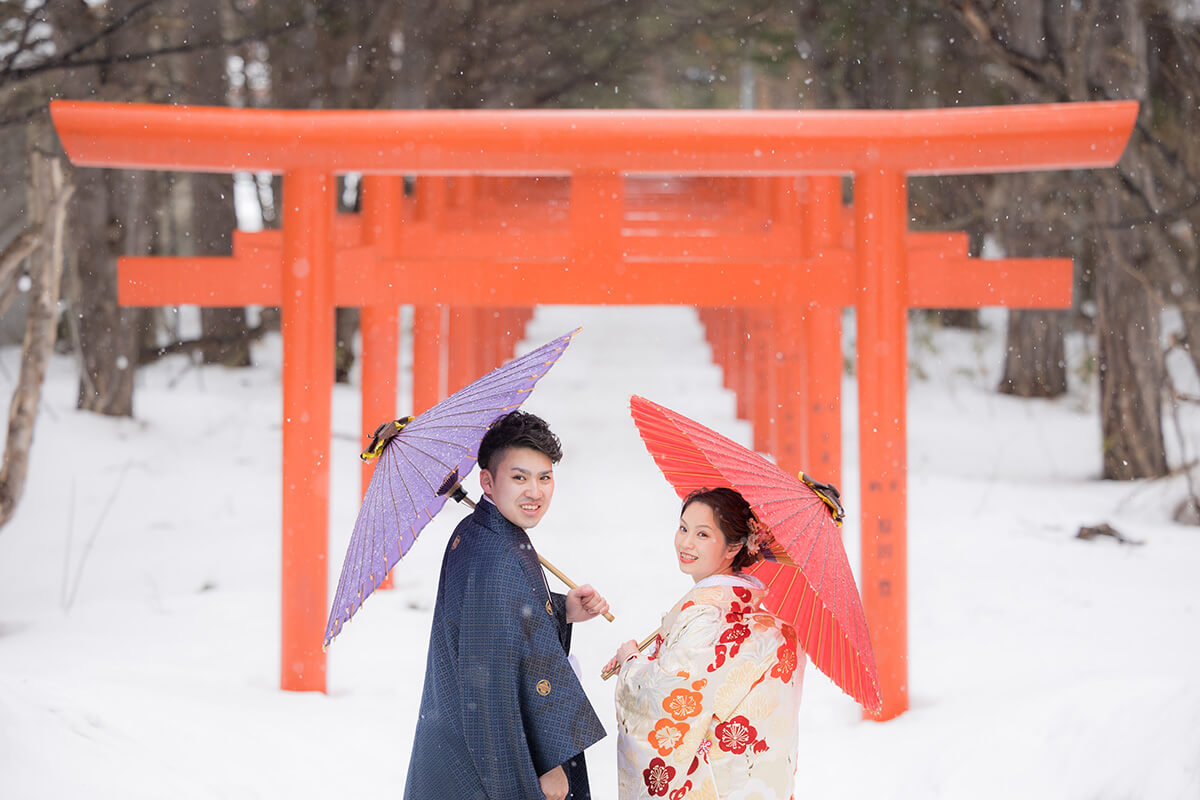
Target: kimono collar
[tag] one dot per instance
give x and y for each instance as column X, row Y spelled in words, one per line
column 737, row 579
column 490, row 517
column 739, row 594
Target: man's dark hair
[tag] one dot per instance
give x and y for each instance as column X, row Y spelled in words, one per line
column 518, row 429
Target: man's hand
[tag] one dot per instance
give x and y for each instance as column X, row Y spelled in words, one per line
column 584, row 603
column 554, row 784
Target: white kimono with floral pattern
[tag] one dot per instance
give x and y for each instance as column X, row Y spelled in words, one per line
column 711, row 710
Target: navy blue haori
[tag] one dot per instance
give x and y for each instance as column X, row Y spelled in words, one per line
column 501, row 704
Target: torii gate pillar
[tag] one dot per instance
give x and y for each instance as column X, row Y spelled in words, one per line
column 880, row 203
column 307, row 324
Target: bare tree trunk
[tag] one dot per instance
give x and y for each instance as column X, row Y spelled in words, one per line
column 1051, row 50
column 106, row 337
column 214, row 220
column 1035, row 356
column 1130, row 350
column 50, row 194
column 112, row 215
column 417, row 59
column 1129, row 308
column 1035, row 361
column 213, row 215
column 345, row 329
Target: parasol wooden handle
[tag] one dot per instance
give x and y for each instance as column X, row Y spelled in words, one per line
column 467, row 501
column 570, row 583
column 642, row 645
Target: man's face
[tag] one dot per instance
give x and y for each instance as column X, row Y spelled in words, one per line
column 521, row 484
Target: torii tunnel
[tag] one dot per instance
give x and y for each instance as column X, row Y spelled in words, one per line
column 738, row 213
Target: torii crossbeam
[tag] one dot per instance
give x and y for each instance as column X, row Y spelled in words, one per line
column 307, row 276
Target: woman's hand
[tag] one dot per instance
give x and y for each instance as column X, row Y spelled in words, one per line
column 626, row 650
column 623, row 653
column 583, row 603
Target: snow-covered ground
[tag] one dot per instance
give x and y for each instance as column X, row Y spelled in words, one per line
column 139, row 588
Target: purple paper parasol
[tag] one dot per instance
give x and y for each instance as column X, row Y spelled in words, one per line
column 418, row 468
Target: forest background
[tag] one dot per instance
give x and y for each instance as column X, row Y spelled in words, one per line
column 1132, row 231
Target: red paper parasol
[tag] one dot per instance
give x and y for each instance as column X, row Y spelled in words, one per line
column 809, row 582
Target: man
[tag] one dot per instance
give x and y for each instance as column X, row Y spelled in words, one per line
column 503, row 716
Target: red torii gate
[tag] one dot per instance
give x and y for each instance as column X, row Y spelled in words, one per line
column 307, row 278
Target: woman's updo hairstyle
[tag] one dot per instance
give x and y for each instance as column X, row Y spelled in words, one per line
column 733, row 516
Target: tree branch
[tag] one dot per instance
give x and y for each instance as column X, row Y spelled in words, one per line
column 64, row 58
column 151, row 354
column 23, row 43
column 1041, row 77
column 66, row 62
column 26, row 243
column 17, row 251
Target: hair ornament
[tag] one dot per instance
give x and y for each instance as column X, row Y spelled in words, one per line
column 759, row 538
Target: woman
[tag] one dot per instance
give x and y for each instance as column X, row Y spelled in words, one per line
column 711, row 710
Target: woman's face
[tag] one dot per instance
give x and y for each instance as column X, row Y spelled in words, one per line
column 700, row 545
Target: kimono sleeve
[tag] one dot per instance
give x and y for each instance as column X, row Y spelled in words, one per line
column 524, row 712
column 664, row 704
column 559, row 601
